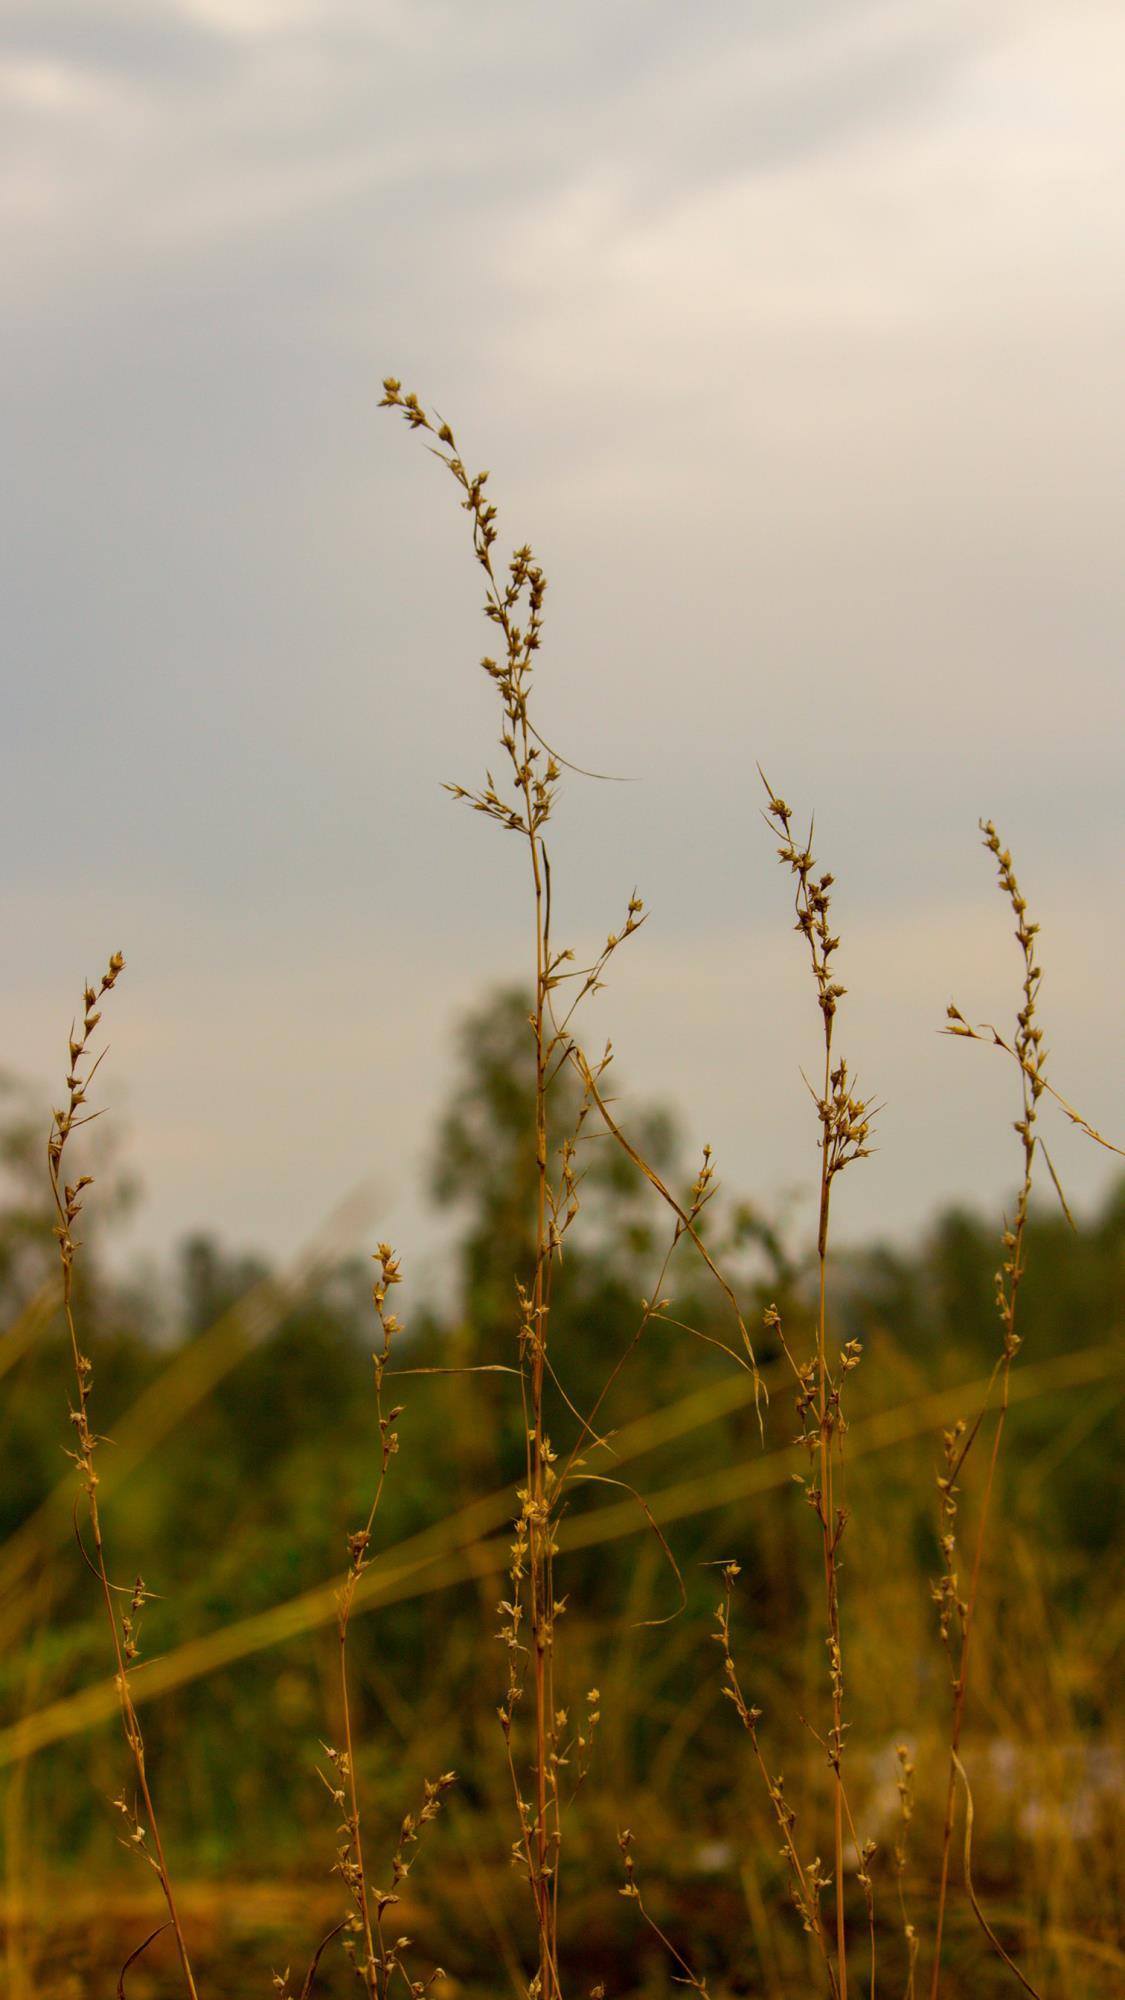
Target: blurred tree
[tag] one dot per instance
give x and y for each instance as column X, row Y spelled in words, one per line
column 247, row 1502
column 484, row 1165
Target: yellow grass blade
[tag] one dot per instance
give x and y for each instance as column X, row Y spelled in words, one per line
column 190, row 1376
column 28, row 1324
column 428, row 1563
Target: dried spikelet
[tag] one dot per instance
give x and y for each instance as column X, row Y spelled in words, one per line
column 143, row 1834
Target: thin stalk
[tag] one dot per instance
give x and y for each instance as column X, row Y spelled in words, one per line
column 828, row 1530
column 807, row 1891
column 961, row 1683
column 350, row 1864
column 1027, row 1048
column 540, row 1530
column 360, row 1891
column 533, row 788
column 845, row 1124
column 124, row 1632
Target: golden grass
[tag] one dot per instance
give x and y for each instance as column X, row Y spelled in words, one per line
column 548, row 1753
column 465, row 1541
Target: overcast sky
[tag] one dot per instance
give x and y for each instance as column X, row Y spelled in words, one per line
column 794, row 338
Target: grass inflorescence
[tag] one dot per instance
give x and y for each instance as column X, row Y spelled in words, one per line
column 549, row 1713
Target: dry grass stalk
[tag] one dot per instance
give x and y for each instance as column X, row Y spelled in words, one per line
column 905, row 1786
column 956, row 1612
column 684, row 1976
column 514, row 606
column 845, row 1121
column 806, row 1878
column 375, row 1957
column 548, row 1758
column 139, row 1815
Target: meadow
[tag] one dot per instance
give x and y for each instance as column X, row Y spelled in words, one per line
column 695, row 1605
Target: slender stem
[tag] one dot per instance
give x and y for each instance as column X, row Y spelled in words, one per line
column 350, row 1859
column 129, row 1720
column 362, row 1897
column 961, row 1685
column 1027, row 1048
column 845, row 1124
column 828, row 1527
column 68, row 1207
column 546, row 1892
column 807, row 1893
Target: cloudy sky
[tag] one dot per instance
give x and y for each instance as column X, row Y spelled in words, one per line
column 793, row 336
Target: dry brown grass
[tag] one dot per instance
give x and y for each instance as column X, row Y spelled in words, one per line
column 546, row 1742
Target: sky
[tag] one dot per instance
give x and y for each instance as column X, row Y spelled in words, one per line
column 793, row 336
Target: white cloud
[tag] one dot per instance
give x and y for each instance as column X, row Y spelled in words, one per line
column 794, row 340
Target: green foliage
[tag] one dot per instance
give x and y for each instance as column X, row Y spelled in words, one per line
column 248, row 1502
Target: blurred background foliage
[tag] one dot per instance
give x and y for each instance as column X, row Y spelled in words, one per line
column 239, row 1401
